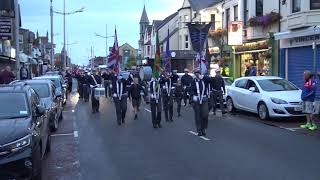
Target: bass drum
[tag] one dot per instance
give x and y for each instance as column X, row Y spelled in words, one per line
column 145, row 73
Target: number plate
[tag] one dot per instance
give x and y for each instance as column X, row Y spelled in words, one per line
column 298, row 109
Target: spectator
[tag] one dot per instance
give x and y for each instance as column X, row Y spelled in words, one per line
column 6, row 76
column 308, row 96
column 24, row 73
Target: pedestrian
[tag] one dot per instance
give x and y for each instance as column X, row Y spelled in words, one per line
column 135, row 92
column 219, row 89
column 24, row 73
column 155, row 102
column 7, row 76
column 186, row 80
column 308, row 96
column 86, row 86
column 251, row 70
column 167, row 98
column 178, row 94
column 68, row 76
column 200, row 103
column 95, row 81
column 120, row 95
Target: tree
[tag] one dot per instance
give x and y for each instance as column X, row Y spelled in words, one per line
column 131, row 62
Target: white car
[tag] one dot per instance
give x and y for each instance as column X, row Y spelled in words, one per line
column 266, row 96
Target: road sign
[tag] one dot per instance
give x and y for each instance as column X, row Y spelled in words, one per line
column 6, row 29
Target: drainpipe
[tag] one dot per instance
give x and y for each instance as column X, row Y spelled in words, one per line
column 279, row 30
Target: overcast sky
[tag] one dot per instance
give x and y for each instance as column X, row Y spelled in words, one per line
column 81, row 28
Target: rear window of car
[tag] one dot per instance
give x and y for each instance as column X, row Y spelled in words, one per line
column 18, row 106
column 42, row 90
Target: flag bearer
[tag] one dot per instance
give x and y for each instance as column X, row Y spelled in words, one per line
column 155, row 102
column 120, row 95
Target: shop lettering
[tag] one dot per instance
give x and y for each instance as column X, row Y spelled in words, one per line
column 306, row 38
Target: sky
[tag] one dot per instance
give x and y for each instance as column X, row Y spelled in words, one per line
column 81, row 27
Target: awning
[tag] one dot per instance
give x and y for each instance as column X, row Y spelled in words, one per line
column 293, row 34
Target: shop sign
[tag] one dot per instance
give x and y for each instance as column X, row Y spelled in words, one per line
column 6, row 29
column 304, row 40
column 235, row 37
column 252, row 46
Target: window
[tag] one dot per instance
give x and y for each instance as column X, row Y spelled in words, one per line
column 296, row 6
column 259, row 7
column 213, row 21
column 186, row 18
column 272, row 85
column 187, row 41
column 314, row 4
column 251, row 84
column 246, row 12
column 235, row 13
column 222, row 19
column 241, row 83
column 148, row 51
column 227, row 16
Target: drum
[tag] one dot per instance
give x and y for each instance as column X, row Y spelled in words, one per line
column 145, row 73
column 99, row 92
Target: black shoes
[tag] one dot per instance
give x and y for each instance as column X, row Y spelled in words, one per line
column 155, row 126
column 200, row 134
column 159, row 125
column 135, row 117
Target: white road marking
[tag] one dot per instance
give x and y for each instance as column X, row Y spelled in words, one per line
column 76, row 134
column 290, row 129
column 66, row 134
column 202, row 137
column 147, row 110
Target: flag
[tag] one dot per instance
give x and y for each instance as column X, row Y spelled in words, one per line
column 168, row 55
column 113, row 58
column 156, row 68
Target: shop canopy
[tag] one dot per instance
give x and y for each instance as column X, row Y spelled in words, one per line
column 293, row 34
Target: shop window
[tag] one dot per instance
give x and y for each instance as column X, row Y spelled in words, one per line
column 213, row 21
column 296, row 6
column 314, row 4
column 235, row 13
column 259, row 8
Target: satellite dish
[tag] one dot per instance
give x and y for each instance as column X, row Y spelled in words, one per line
column 173, row 54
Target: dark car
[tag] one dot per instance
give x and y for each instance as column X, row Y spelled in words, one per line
column 48, row 99
column 61, row 88
column 24, row 133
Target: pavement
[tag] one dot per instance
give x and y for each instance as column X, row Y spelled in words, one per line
column 237, row 146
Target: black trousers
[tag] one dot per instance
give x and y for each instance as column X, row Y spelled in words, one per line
column 155, row 111
column 106, row 86
column 80, row 89
column 179, row 101
column 168, row 107
column 121, row 108
column 201, row 112
column 86, row 92
column 211, row 101
column 186, row 96
column 94, row 102
column 218, row 98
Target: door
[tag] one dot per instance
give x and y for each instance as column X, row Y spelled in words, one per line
column 251, row 99
column 237, row 92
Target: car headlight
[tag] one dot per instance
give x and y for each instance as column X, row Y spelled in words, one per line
column 19, row 144
column 278, row 101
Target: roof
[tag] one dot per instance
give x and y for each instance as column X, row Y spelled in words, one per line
column 34, row 81
column 20, row 88
column 156, row 24
column 197, row 5
column 167, row 19
column 144, row 17
column 260, row 77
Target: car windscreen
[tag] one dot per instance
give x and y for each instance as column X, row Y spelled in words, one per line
column 56, row 81
column 41, row 89
column 227, row 81
column 13, row 105
column 276, row 85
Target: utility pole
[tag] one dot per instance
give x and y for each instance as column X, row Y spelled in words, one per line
column 16, row 37
column 64, row 36
column 107, row 53
column 52, row 48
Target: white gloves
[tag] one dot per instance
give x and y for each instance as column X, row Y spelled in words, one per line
column 114, row 95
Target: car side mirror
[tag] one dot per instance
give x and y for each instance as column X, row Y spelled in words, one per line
column 40, row 111
column 252, row 89
column 58, row 94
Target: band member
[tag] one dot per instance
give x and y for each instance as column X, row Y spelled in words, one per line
column 94, row 83
column 155, row 102
column 135, row 92
column 86, row 86
column 167, row 98
column 178, row 93
column 80, row 79
column 106, row 82
column 219, row 90
column 186, row 80
column 120, row 95
column 200, row 103
column 174, row 77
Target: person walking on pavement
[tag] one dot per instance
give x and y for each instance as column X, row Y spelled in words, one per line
column 120, row 95
column 24, row 73
column 200, row 103
column 167, row 99
column 7, row 76
column 308, row 96
column 155, row 102
column 178, row 93
column 186, row 80
column 95, row 81
column 219, row 89
column 135, row 92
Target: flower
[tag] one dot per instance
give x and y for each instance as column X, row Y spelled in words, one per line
column 265, row 21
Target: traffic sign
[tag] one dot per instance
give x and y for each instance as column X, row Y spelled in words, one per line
column 6, row 29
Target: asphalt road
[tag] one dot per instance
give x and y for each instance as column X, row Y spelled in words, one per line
column 238, row 147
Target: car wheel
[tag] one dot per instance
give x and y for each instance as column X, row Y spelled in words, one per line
column 230, row 105
column 48, row 146
column 263, row 111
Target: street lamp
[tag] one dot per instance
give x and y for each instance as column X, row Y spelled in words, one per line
column 105, row 37
column 64, row 13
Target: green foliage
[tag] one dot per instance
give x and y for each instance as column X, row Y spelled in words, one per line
column 131, row 62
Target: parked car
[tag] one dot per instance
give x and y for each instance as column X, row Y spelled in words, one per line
column 24, row 133
column 265, row 95
column 61, row 88
column 48, row 99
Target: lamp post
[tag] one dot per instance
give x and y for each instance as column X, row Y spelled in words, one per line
column 64, row 13
column 105, row 37
column 16, row 35
column 52, row 48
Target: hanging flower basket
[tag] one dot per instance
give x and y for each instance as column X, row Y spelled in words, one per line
column 265, row 21
column 218, row 34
